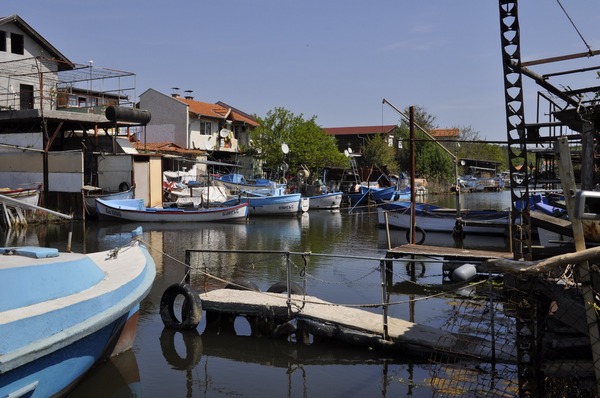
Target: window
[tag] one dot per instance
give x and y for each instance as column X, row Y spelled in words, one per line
column 2, row 40
column 205, row 128
column 17, row 43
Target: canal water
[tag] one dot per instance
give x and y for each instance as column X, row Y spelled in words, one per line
column 232, row 363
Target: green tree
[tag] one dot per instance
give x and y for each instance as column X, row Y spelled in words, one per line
column 308, row 144
column 431, row 160
column 377, row 152
column 473, row 147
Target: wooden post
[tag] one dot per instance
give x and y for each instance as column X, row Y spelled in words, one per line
column 384, row 301
column 567, row 179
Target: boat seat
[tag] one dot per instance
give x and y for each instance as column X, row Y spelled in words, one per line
column 30, row 251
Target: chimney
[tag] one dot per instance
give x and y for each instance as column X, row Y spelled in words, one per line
column 188, row 94
column 175, row 93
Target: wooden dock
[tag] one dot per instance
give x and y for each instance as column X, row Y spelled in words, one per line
column 351, row 325
column 447, row 252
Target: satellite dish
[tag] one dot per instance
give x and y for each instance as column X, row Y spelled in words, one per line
column 209, row 146
column 349, row 150
column 285, row 148
column 224, row 133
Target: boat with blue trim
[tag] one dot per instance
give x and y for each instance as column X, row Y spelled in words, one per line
column 63, row 312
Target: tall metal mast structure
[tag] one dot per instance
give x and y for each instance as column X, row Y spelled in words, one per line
column 516, row 131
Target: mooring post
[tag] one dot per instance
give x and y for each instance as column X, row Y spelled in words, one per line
column 289, row 282
column 70, row 235
column 387, row 229
column 188, row 274
column 384, row 299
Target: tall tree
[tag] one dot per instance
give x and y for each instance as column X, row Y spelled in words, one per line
column 473, row 147
column 308, row 144
column 378, row 152
column 431, row 160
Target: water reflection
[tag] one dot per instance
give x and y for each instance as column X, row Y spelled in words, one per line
column 232, row 362
column 119, row 377
column 299, row 362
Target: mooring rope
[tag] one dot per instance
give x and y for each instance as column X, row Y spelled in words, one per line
column 299, row 303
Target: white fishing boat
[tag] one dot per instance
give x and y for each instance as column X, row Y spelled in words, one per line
column 328, row 201
column 61, row 313
column 135, row 210
column 27, row 195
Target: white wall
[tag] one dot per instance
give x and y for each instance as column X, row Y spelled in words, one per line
column 169, row 121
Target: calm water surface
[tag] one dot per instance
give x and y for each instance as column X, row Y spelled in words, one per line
column 231, row 363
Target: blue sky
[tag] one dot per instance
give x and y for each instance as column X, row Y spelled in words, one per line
column 332, row 59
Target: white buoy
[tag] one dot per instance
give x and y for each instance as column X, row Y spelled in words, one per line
column 463, row 273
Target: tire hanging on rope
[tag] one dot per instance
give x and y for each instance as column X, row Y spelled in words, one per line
column 417, row 231
column 191, row 308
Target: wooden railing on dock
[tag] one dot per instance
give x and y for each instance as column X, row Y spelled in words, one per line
column 300, row 313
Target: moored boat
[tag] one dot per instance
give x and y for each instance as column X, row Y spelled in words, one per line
column 27, row 195
column 90, row 194
column 76, row 310
column 432, row 218
column 275, row 205
column 134, row 210
column 238, row 183
column 328, row 201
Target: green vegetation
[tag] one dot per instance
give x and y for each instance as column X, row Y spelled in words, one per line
column 431, row 160
column 311, row 147
column 308, row 144
column 377, row 152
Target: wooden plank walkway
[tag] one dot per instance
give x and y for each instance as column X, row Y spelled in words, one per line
column 448, row 252
column 353, row 325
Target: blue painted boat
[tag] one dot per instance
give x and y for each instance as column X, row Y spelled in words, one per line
column 273, row 205
column 238, row 183
column 61, row 313
column 378, row 195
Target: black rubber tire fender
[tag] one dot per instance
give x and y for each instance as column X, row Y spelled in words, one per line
column 191, row 309
column 281, row 287
column 418, row 230
column 124, row 186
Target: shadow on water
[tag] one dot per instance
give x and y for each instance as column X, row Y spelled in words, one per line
column 119, row 377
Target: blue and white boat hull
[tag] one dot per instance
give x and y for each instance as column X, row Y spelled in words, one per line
column 60, row 315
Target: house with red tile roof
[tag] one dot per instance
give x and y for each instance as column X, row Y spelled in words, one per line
column 196, row 125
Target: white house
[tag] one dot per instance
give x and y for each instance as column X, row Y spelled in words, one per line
column 193, row 124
